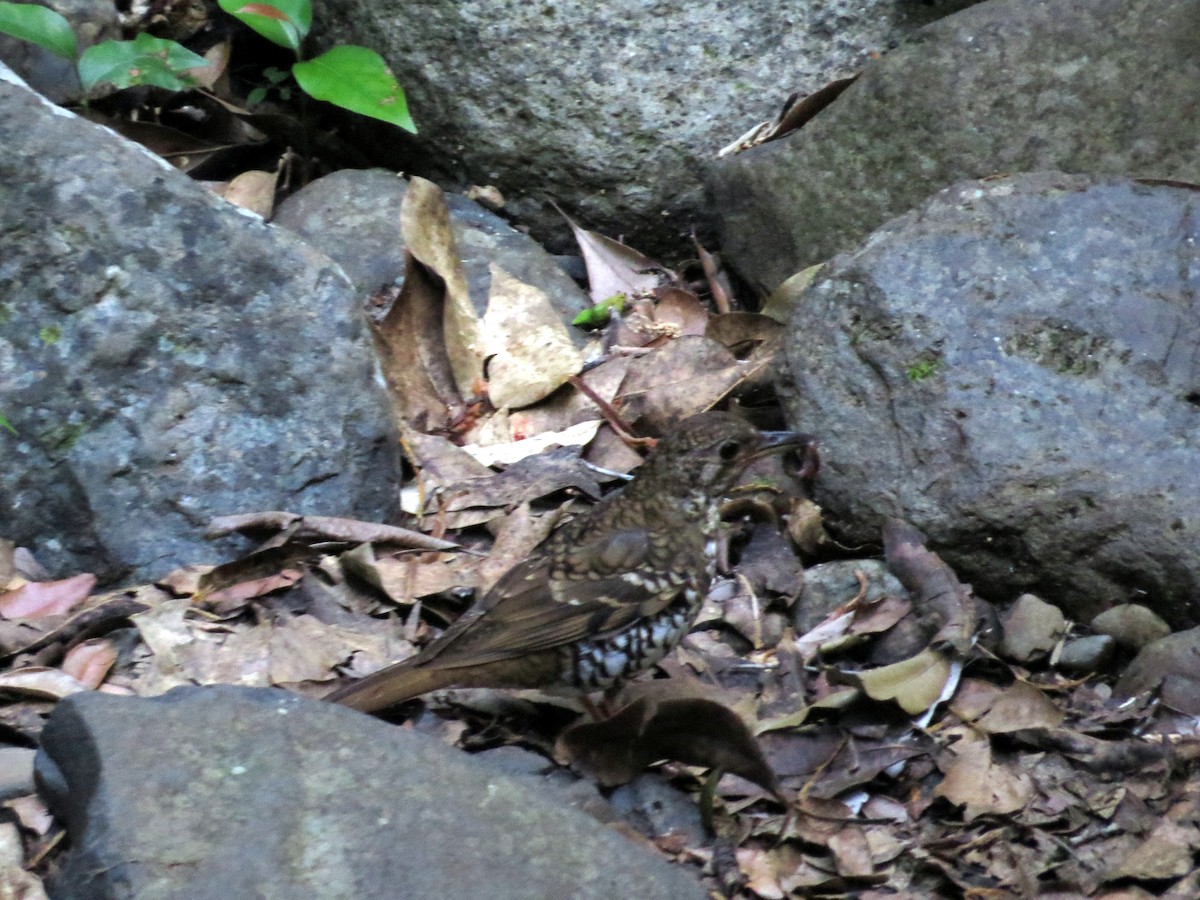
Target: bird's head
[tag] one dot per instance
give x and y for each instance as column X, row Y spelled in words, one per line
column 708, row 452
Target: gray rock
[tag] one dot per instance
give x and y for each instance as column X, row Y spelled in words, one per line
column 166, row 358
column 1086, row 655
column 1131, row 625
column 1167, row 666
column 225, row 792
column 1015, row 368
column 353, row 216
column 610, row 109
column 1092, row 86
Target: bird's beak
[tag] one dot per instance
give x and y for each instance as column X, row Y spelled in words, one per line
column 804, row 445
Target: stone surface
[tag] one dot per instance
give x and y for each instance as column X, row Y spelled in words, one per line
column 1131, row 625
column 1086, row 655
column 227, row 792
column 165, row 358
column 609, row 109
column 832, row 584
column 1167, row 666
column 1015, row 368
column 1091, row 86
column 1032, row 627
column 353, row 216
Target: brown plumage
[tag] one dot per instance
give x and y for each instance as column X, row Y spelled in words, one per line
column 608, row 594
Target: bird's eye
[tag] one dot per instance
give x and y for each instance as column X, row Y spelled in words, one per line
column 729, row 450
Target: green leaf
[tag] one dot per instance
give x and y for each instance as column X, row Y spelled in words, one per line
column 597, row 316
column 256, row 96
column 146, row 60
column 283, row 22
column 4, row 423
column 356, row 79
column 39, row 25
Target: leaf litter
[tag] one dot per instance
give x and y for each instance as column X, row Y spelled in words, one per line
column 900, row 748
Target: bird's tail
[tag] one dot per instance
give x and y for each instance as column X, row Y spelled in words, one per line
column 391, row 685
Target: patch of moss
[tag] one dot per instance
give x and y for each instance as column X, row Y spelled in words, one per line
column 64, row 437
column 1063, row 348
column 922, row 369
column 49, row 334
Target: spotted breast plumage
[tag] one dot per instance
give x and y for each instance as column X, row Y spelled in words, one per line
column 609, row 593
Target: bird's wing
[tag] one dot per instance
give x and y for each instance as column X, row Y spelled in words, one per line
column 534, row 608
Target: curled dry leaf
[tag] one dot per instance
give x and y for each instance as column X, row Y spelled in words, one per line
column 89, row 663
column 326, row 528
column 40, row 682
column 97, row 611
column 412, row 353
column 951, row 609
column 916, row 684
column 36, row 599
column 696, row 731
column 578, row 435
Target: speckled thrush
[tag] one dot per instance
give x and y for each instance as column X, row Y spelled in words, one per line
column 609, row 593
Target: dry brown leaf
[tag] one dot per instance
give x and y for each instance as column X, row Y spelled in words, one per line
column 717, row 278
column 235, row 597
column 36, row 599
column 684, row 377
column 301, row 650
column 1167, row 852
column 15, row 882
column 612, row 267
column 1001, row 710
column 570, row 407
column 976, row 782
column 680, row 309
column 412, row 353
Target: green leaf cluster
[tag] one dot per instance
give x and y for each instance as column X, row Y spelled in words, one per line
column 352, row 77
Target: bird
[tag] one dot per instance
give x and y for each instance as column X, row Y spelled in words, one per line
column 609, row 593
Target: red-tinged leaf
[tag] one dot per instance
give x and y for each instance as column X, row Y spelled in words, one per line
column 46, row 598
column 262, row 9
column 90, row 662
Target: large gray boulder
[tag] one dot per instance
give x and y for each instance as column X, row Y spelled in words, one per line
column 166, row 358
column 1015, row 368
column 1089, row 86
column 228, row 792
column 611, row 109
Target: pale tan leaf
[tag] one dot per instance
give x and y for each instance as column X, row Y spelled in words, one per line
column 425, row 225
column 530, row 354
